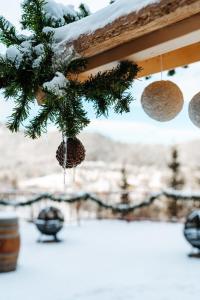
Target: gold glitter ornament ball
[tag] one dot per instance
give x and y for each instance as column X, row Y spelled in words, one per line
column 162, row 100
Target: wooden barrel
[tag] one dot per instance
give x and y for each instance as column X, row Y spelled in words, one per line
column 9, row 242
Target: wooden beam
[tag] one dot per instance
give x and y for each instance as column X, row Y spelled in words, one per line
column 173, row 59
column 180, row 57
column 168, row 46
column 183, row 29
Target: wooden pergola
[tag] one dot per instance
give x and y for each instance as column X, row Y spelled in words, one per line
column 170, row 28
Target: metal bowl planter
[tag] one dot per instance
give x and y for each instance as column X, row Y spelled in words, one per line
column 50, row 221
column 192, row 229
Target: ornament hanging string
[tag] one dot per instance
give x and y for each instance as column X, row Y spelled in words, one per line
column 65, row 159
column 74, row 175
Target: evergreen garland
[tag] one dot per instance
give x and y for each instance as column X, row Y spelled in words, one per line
column 30, row 64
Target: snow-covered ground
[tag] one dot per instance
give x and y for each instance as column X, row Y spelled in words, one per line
column 105, row 260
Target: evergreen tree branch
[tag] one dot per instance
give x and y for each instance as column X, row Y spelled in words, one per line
column 8, row 35
column 33, row 17
column 109, row 87
column 84, row 11
column 71, row 116
column 20, row 112
column 123, row 105
column 38, row 125
column 8, row 73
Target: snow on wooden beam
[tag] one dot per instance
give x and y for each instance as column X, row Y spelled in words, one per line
column 138, row 23
column 160, row 27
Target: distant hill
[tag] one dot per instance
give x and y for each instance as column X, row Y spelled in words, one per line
column 22, row 157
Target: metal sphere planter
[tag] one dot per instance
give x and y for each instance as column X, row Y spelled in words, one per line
column 192, row 229
column 50, row 221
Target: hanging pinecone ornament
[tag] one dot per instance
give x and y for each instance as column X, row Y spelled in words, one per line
column 71, row 153
column 194, row 110
column 162, row 100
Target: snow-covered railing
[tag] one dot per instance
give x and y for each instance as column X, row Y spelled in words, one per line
column 118, row 208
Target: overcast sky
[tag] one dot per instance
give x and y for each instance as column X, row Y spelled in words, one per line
column 135, row 126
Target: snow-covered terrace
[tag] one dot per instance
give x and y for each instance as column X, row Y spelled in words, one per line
column 139, row 30
column 105, row 260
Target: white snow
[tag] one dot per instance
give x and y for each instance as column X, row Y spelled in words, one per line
column 14, row 55
column 26, row 45
column 39, row 49
column 185, row 193
column 57, row 11
column 40, row 52
column 49, row 222
column 7, row 215
column 57, row 84
column 105, row 260
column 36, row 63
column 99, row 19
column 195, row 213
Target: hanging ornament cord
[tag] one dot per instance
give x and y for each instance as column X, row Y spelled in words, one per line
column 161, row 67
column 65, row 160
column 74, row 175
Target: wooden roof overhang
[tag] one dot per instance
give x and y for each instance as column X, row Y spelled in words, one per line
column 170, row 28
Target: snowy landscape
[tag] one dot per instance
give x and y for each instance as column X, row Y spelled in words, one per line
column 105, row 260
column 94, row 208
